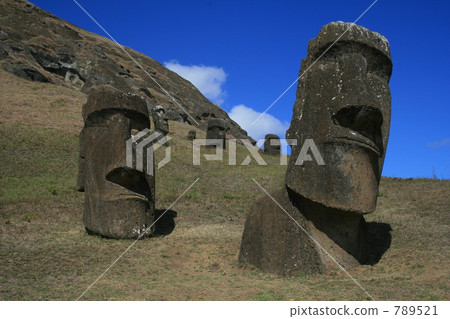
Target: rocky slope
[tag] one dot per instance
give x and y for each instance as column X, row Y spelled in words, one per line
column 39, row 46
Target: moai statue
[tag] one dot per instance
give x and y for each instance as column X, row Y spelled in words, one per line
column 119, row 200
column 185, row 118
column 192, row 135
column 217, row 129
column 343, row 104
column 272, row 145
column 161, row 121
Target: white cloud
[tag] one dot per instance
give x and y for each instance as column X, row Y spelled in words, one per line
column 208, row 79
column 444, row 142
column 267, row 124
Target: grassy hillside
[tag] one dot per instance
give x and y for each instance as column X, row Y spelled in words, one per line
column 46, row 254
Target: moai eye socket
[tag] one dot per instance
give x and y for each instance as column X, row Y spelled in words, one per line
column 365, row 120
column 130, row 179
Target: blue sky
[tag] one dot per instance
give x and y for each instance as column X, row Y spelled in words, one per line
column 244, row 54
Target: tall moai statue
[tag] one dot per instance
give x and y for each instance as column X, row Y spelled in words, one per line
column 343, row 104
column 272, row 145
column 119, row 200
column 217, row 129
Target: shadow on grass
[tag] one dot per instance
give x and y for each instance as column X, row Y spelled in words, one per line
column 379, row 238
column 165, row 224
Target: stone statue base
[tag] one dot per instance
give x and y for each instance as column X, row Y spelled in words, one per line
column 275, row 243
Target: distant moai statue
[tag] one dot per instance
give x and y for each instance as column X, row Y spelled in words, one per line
column 272, row 145
column 119, row 201
column 160, row 121
column 344, row 104
column 192, row 135
column 217, row 129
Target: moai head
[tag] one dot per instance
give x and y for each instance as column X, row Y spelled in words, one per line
column 217, row 129
column 344, row 104
column 160, row 119
column 119, row 201
column 192, row 135
column 272, row 145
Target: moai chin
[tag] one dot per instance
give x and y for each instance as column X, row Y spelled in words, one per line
column 272, row 145
column 343, row 103
column 119, row 201
column 217, row 129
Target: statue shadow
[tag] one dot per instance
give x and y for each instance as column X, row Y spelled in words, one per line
column 166, row 222
column 379, row 238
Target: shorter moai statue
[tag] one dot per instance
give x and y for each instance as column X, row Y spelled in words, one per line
column 119, row 200
column 192, row 135
column 217, row 129
column 160, row 121
column 272, row 145
column 343, row 104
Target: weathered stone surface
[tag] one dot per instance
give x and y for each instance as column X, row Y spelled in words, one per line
column 74, row 79
column 217, row 129
column 272, row 145
column 177, row 116
column 275, row 243
column 192, row 135
column 25, row 72
column 3, row 35
column 119, row 201
column 343, row 104
column 160, row 119
column 161, row 122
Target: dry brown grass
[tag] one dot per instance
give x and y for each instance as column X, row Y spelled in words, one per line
column 39, row 105
column 46, row 254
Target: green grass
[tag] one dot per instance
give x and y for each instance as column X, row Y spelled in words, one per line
column 269, row 295
column 36, row 162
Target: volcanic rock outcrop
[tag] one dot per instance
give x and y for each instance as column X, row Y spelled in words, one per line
column 343, row 105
